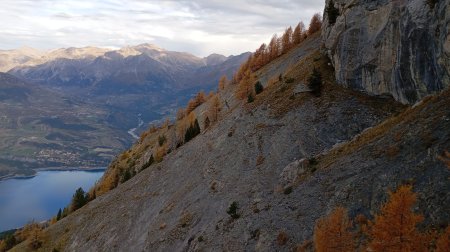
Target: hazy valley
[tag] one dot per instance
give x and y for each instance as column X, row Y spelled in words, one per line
column 62, row 107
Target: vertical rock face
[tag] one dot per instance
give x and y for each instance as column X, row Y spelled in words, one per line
column 397, row 47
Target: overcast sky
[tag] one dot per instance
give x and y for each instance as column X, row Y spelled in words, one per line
column 200, row 27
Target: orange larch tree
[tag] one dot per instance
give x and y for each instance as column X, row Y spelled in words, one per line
column 298, row 34
column 198, row 100
column 394, row 229
column 223, row 82
column 443, row 242
column 286, row 40
column 274, row 47
column 246, row 86
column 214, row 108
column 316, row 24
column 181, row 113
column 333, row 232
column 263, row 58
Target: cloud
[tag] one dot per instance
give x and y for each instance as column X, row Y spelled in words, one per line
column 200, row 27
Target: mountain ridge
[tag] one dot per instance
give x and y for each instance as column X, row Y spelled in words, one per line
column 28, row 56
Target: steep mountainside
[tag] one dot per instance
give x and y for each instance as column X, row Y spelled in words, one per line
column 251, row 157
column 254, row 171
column 397, row 47
column 42, row 128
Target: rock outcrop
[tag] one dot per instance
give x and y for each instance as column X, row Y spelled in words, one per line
column 392, row 47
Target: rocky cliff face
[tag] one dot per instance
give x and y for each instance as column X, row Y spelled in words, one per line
column 395, row 47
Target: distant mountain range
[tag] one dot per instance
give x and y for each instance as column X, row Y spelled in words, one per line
column 137, row 79
column 121, row 89
column 144, row 67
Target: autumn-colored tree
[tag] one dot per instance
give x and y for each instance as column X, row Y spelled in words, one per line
column 274, row 47
column 8, row 243
column 33, row 234
column 210, row 95
column 166, row 124
column 214, row 108
column 316, row 24
column 286, row 40
column 109, row 181
column 191, row 117
column 443, row 242
column 198, row 100
column 223, row 82
column 182, row 126
column 394, row 229
column 246, row 86
column 298, row 34
column 181, row 113
column 36, row 239
column 261, row 57
column 333, row 232
column 191, row 106
column 201, row 97
column 160, row 152
column 242, row 69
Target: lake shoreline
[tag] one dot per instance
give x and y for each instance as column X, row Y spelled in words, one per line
column 39, row 197
column 62, row 168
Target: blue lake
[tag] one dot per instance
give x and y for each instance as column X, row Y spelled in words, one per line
column 39, row 198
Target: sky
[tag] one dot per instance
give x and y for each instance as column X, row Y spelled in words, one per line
column 201, row 27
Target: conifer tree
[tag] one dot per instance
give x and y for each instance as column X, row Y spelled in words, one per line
column 245, row 87
column 78, row 199
column 274, row 47
column 181, row 113
column 58, row 216
column 286, row 40
column 333, row 232
column 215, row 106
column 125, row 176
column 223, row 82
column 315, row 25
column 297, row 35
column 192, row 131
column 258, row 87
column 394, row 229
column 443, row 242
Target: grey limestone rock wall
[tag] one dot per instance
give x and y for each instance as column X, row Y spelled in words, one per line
column 397, row 47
